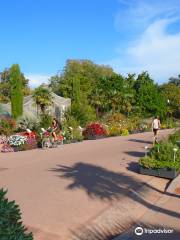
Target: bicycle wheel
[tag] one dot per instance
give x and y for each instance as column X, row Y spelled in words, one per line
column 45, row 144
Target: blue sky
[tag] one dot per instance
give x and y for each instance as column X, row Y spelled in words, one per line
column 130, row 36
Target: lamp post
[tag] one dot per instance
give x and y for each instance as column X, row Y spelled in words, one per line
column 146, row 150
column 175, row 151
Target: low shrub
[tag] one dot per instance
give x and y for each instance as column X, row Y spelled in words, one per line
column 93, row 130
column 45, row 121
column 175, row 137
column 11, row 226
column 7, row 126
column 24, row 123
column 125, row 132
column 163, row 155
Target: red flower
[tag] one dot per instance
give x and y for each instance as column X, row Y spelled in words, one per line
column 94, row 129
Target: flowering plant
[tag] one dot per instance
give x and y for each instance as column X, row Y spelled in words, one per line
column 17, row 140
column 94, row 129
column 3, row 139
column 7, row 148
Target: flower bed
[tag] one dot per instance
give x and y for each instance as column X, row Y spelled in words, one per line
column 19, row 142
column 163, row 160
column 94, row 131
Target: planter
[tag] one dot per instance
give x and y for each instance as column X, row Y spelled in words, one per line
column 96, row 137
column 161, row 172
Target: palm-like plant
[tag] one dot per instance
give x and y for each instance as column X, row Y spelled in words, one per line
column 43, row 98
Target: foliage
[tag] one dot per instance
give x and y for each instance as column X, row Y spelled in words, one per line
column 11, row 227
column 16, row 91
column 162, row 155
column 94, row 129
column 45, row 121
column 168, row 123
column 25, row 122
column 71, row 129
column 7, row 148
column 7, row 126
column 175, row 80
column 102, row 91
column 173, row 138
column 125, row 132
column 43, row 98
column 171, row 93
column 83, row 113
column 5, row 86
column 148, row 98
column 17, row 140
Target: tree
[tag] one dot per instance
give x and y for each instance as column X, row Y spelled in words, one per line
column 175, row 80
column 171, row 93
column 80, row 81
column 5, row 86
column 43, row 98
column 16, row 91
column 148, row 97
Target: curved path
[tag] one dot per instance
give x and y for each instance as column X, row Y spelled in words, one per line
column 77, row 190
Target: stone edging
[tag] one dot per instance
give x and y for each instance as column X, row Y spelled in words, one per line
column 173, row 185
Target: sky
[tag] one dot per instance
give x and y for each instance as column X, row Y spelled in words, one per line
column 129, row 35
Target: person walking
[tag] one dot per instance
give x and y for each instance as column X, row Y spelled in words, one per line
column 156, row 124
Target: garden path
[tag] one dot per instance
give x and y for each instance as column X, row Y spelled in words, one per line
column 77, row 190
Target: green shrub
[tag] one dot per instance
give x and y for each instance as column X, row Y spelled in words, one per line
column 83, row 113
column 31, row 123
column 11, row 227
column 45, row 121
column 125, row 132
column 175, row 137
column 162, row 155
column 7, row 126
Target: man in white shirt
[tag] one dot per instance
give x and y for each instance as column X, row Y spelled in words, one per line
column 155, row 127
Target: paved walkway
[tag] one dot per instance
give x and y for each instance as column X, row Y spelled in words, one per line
column 167, row 218
column 79, row 190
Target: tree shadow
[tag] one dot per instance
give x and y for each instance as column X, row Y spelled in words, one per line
column 98, row 182
column 135, row 154
column 140, row 141
column 3, row 169
column 117, row 228
column 106, row 185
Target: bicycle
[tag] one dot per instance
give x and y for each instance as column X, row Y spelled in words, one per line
column 47, row 140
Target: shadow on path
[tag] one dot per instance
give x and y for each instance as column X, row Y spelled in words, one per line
column 140, row 141
column 117, row 228
column 135, row 154
column 106, row 185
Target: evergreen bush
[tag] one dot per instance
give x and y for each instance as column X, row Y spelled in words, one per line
column 11, row 227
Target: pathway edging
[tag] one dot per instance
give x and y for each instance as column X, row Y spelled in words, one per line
column 173, row 185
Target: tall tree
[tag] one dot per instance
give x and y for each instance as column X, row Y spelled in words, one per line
column 171, row 93
column 5, row 86
column 16, row 91
column 148, row 97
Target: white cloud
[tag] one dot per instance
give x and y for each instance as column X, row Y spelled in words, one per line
column 37, row 79
column 135, row 15
column 155, row 51
column 148, row 45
